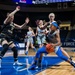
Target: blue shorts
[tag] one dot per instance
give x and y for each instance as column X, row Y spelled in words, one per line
column 40, row 51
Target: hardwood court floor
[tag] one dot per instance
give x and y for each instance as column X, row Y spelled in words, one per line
column 61, row 69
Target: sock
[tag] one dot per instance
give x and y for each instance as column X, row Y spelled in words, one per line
column 15, row 59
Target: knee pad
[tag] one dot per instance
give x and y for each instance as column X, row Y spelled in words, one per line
column 5, row 46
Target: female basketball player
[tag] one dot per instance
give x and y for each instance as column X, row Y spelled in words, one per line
column 7, row 37
column 53, row 39
column 40, row 33
column 30, row 41
column 52, row 19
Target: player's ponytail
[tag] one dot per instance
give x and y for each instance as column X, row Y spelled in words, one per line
column 58, row 22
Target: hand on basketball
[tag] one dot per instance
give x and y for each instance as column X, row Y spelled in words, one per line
column 18, row 8
column 27, row 20
column 49, row 48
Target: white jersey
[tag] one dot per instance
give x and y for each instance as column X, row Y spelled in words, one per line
column 40, row 31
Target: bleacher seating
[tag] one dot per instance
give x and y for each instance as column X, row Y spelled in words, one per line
column 63, row 34
column 72, row 35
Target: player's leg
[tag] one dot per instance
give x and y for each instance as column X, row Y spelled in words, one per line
column 62, row 56
column 65, row 53
column 15, row 54
column 32, row 45
column 39, row 41
column 5, row 48
column 27, row 48
column 38, row 57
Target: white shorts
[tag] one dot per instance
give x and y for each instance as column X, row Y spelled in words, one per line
column 41, row 40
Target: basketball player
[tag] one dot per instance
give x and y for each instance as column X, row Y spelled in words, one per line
column 7, row 37
column 52, row 19
column 53, row 39
column 30, row 35
column 40, row 33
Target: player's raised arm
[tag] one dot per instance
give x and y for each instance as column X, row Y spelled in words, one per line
column 45, row 25
column 23, row 25
column 10, row 16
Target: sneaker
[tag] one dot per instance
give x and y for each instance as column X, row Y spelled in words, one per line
column 73, row 64
column 73, row 61
column 17, row 63
column 26, row 53
column 33, row 66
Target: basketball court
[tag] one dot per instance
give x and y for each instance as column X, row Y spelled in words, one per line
column 51, row 65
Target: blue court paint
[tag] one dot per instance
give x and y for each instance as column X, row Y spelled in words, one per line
column 8, row 68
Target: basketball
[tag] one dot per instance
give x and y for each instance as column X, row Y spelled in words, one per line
column 49, row 48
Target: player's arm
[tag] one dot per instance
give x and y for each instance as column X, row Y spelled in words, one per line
column 33, row 34
column 46, row 31
column 58, row 40
column 9, row 17
column 45, row 25
column 23, row 25
column 36, row 31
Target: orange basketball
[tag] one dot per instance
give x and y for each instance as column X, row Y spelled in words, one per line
column 49, row 48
